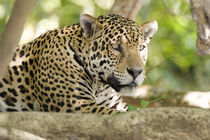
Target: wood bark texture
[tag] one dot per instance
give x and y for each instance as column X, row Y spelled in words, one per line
column 13, row 30
column 145, row 124
column 127, row 8
column 201, row 15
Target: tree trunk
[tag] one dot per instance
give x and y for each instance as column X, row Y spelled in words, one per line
column 201, row 15
column 145, row 124
column 13, row 30
column 127, row 8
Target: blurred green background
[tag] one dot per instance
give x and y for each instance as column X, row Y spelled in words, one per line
column 173, row 62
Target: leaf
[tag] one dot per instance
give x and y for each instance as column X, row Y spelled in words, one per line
column 163, row 97
column 130, row 108
column 144, row 103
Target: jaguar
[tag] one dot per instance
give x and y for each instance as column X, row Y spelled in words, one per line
column 86, row 67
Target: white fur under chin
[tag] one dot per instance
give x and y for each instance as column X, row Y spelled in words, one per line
column 128, row 91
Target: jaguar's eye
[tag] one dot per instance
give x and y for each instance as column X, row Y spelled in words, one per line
column 141, row 48
column 117, row 47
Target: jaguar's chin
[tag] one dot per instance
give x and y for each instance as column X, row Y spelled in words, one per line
column 128, row 90
column 125, row 90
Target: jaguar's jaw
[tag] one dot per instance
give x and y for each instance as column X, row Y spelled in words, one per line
column 128, row 91
column 125, row 90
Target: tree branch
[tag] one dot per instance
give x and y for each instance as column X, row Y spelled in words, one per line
column 13, row 30
column 156, row 123
column 201, row 15
column 127, row 8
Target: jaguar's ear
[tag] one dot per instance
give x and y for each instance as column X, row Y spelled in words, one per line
column 90, row 25
column 149, row 29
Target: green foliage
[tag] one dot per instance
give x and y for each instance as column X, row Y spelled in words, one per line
column 145, row 103
column 173, row 61
column 5, row 10
column 131, row 108
column 69, row 13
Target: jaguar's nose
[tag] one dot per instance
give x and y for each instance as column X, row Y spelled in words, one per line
column 134, row 72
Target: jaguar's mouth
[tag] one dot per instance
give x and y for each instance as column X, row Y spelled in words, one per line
column 115, row 84
column 132, row 84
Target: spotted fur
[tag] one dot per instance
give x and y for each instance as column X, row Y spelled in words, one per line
column 84, row 68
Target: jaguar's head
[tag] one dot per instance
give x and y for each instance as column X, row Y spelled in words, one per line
column 118, row 50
